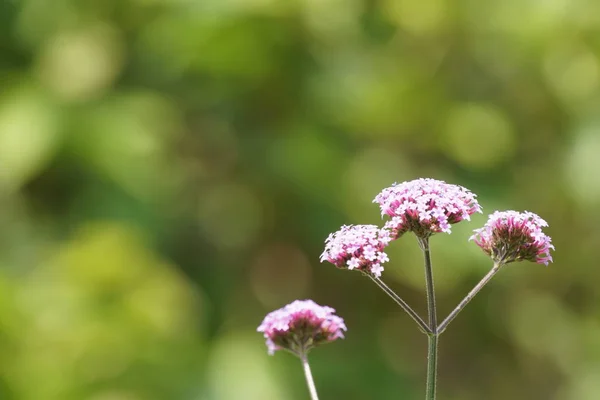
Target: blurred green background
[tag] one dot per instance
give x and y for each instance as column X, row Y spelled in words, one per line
column 169, row 170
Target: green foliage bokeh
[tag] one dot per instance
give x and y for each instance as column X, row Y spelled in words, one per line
column 169, row 170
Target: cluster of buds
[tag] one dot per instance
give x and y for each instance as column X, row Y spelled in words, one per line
column 358, row 247
column 510, row 236
column 425, row 206
column 300, row 326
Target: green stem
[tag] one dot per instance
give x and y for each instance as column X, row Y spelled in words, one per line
column 422, row 325
column 432, row 355
column 469, row 297
column 431, row 309
column 309, row 378
column 432, row 339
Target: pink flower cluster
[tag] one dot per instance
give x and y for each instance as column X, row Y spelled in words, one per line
column 425, row 206
column 511, row 236
column 300, row 326
column 358, row 247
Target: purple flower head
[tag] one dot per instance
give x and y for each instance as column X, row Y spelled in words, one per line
column 300, row 326
column 358, row 247
column 425, row 206
column 510, row 236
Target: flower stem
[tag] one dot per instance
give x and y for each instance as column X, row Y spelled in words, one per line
column 432, row 338
column 309, row 379
column 432, row 355
column 469, row 297
column 431, row 309
column 422, row 325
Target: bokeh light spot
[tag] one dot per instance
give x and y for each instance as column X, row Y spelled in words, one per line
column 82, row 64
column 231, row 215
column 585, row 384
column 418, row 17
column 309, row 161
column 369, row 171
column 280, row 272
column 572, row 71
column 128, row 139
column 28, row 136
column 241, row 359
column 392, row 335
column 102, row 304
column 478, row 136
column 582, row 164
column 115, row 395
column 331, row 20
column 542, row 325
column 406, row 263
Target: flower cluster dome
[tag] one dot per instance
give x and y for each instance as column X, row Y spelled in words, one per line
column 510, row 236
column 300, row 326
column 358, row 247
column 425, row 206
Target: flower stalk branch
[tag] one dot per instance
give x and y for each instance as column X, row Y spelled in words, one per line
column 469, row 297
column 422, row 325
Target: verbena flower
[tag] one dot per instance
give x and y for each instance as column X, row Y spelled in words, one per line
column 358, row 247
column 300, row 326
column 425, row 206
column 510, row 236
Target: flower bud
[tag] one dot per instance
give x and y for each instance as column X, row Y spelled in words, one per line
column 510, row 236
